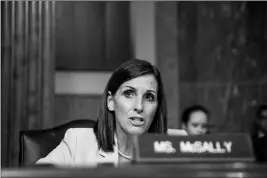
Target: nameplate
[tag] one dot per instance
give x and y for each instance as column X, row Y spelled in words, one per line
column 206, row 148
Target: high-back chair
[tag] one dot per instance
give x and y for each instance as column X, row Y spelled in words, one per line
column 35, row 144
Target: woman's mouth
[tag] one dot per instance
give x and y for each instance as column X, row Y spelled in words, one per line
column 137, row 121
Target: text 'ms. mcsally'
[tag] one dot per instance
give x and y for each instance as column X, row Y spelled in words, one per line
column 204, row 148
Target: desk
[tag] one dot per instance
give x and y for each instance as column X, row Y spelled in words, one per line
column 186, row 170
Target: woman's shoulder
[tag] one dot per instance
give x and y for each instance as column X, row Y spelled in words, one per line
column 83, row 138
column 80, row 131
column 177, row 132
column 88, row 132
column 81, row 134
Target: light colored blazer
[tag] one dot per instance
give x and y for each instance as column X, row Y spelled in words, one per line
column 79, row 148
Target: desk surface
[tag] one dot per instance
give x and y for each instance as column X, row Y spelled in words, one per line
column 201, row 170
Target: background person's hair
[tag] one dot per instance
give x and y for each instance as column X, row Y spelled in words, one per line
column 255, row 124
column 260, row 110
column 188, row 111
column 106, row 125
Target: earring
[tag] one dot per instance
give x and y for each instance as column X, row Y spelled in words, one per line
column 110, row 108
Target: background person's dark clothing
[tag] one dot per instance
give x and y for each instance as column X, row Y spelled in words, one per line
column 260, row 148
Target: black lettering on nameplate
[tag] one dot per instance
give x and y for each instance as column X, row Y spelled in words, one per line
column 205, row 148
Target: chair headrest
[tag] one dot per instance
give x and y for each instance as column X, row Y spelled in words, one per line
column 35, row 144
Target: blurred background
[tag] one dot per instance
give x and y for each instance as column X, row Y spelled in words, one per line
column 56, row 58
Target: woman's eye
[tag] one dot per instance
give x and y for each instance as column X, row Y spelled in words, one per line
column 128, row 93
column 150, row 97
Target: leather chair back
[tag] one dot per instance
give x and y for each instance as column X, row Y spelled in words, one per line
column 35, row 144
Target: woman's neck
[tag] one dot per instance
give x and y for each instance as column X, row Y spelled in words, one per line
column 125, row 142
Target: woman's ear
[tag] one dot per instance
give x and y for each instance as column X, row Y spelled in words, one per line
column 110, row 102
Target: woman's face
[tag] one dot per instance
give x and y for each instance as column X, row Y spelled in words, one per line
column 135, row 104
column 197, row 123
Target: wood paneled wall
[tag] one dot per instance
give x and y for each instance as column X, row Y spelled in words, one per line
column 167, row 56
column 74, row 106
column 222, row 57
column 92, row 35
column 27, row 72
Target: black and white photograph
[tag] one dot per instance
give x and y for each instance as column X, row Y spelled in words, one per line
column 133, row 89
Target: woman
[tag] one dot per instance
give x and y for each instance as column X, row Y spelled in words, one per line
column 133, row 103
column 195, row 120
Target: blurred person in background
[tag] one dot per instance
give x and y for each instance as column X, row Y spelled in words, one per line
column 195, row 120
column 259, row 134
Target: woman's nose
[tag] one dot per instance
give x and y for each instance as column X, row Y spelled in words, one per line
column 139, row 106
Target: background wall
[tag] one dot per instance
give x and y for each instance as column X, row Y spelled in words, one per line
column 96, row 35
column 223, row 63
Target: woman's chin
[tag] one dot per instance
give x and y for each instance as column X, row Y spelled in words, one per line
column 137, row 132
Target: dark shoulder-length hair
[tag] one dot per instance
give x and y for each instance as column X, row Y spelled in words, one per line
column 105, row 126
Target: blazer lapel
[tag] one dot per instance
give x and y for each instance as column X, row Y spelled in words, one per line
column 109, row 157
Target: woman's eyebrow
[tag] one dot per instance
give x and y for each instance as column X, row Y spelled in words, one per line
column 129, row 87
column 152, row 91
column 147, row 91
column 126, row 86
